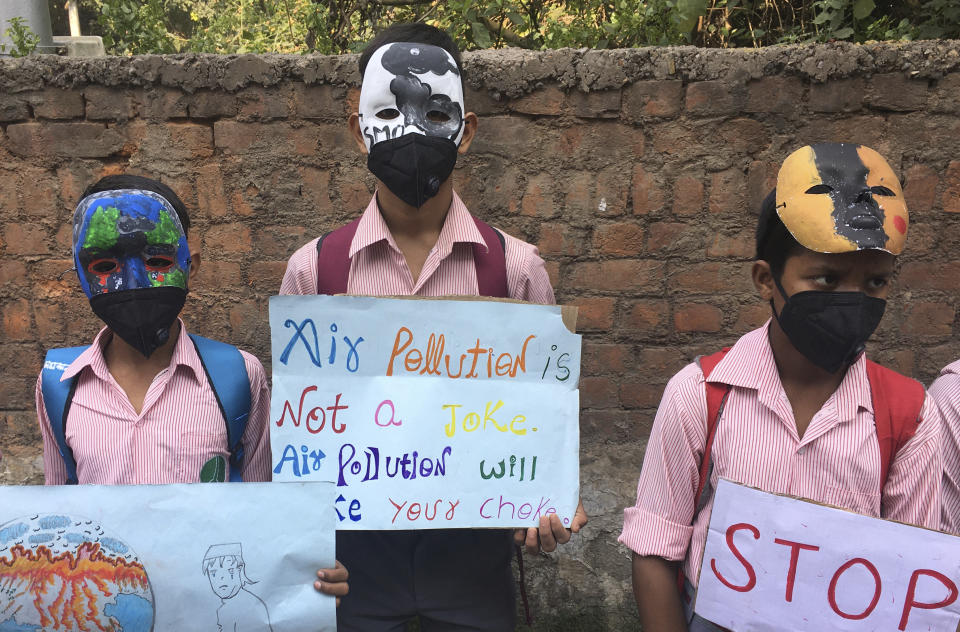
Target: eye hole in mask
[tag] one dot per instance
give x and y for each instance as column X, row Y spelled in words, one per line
column 881, row 190
column 103, row 266
column 388, row 114
column 436, row 116
column 820, row 188
column 158, row 263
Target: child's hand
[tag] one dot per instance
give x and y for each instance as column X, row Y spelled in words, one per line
column 333, row 581
column 551, row 532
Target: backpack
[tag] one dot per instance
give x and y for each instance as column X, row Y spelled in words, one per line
column 333, row 260
column 897, row 402
column 225, row 370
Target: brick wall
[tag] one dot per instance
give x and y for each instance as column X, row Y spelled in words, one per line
column 638, row 174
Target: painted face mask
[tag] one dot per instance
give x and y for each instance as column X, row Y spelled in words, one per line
column 411, row 116
column 840, row 197
column 132, row 258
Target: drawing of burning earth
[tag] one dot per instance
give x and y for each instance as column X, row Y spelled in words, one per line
column 62, row 573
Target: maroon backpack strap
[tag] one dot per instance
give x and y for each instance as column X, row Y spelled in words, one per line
column 333, row 259
column 897, row 402
column 491, row 262
column 716, row 398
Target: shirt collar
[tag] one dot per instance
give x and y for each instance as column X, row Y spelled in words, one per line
column 750, row 364
column 458, row 227
column 184, row 354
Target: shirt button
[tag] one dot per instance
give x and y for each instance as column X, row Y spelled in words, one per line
column 801, row 450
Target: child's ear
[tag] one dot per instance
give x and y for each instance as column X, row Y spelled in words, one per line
column 763, row 279
column 195, row 259
column 354, row 124
column 470, row 123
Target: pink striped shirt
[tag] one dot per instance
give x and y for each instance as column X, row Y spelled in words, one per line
column 378, row 268
column 837, row 461
column 945, row 390
column 178, row 430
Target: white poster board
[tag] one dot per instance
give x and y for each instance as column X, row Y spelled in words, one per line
column 778, row 563
column 165, row 557
column 427, row 414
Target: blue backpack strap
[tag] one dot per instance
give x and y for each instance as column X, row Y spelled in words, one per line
column 227, row 374
column 57, row 396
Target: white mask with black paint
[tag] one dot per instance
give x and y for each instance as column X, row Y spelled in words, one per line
column 411, row 88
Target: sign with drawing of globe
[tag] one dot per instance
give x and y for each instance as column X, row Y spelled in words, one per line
column 63, row 572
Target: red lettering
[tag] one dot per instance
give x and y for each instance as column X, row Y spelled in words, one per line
column 877, row 588
column 751, row 574
column 794, row 557
column 483, row 515
column 333, row 418
column 399, row 508
column 910, row 602
column 413, row 512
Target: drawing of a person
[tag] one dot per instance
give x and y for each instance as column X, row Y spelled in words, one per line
column 239, row 609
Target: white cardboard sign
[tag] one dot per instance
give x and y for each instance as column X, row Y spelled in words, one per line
column 778, row 563
column 139, row 558
column 427, row 414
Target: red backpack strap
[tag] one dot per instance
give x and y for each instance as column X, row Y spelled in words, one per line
column 897, row 402
column 716, row 398
column 491, row 262
column 333, row 259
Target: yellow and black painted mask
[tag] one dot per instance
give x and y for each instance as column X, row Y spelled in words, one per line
column 841, row 197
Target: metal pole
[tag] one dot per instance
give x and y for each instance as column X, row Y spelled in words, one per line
column 73, row 12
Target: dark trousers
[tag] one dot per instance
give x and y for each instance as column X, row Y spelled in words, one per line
column 454, row 579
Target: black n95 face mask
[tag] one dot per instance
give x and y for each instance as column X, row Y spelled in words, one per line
column 141, row 317
column 829, row 328
column 413, row 166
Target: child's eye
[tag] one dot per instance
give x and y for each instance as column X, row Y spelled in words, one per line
column 103, row 266
column 158, row 263
column 825, row 280
column 878, row 283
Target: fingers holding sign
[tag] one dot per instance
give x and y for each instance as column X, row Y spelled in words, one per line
column 551, row 532
column 333, row 581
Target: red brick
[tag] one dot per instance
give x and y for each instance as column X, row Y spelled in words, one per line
column 951, row 189
column 667, row 237
column 617, row 276
column 774, row 94
column 944, row 98
column 927, row 275
column 662, row 361
column 54, row 279
column 579, row 197
column 25, row 239
column 553, row 272
column 548, row 100
column 711, row 98
column 266, row 276
column 74, row 139
column 925, row 319
column 607, row 426
column 211, row 198
column 282, row 241
column 321, row 102
column 613, row 190
column 622, row 238
column 235, row 137
column 163, row 103
column 697, row 317
column 595, row 313
column 482, row 102
column 712, row 277
column 39, row 190
column 896, row 92
column 71, row 184
column 16, row 320
column 316, row 183
column 259, row 103
column 215, row 273
column 108, row 104
column 599, row 392
column 687, row 196
column 599, row 359
column 744, row 136
column 49, row 320
column 209, row 104
column 12, row 272
column 240, row 202
column 750, row 317
column 636, row 393
column 741, row 245
column 54, row 103
column 647, row 195
column 727, row 190
column 647, row 316
column 761, row 179
column 921, row 188
column 354, row 194
column 13, row 108
column 538, row 198
column 559, row 239
column 595, row 104
column 652, row 98
column 837, row 95
column 227, row 238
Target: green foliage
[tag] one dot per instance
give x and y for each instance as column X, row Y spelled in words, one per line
column 338, row 26
column 24, row 40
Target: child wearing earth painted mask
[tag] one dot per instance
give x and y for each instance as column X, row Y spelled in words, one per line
column 138, row 406
column 416, row 237
column 793, row 407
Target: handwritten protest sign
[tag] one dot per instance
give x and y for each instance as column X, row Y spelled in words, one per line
column 165, row 557
column 778, row 563
column 427, row 413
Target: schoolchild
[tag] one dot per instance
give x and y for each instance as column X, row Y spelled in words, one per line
column 147, row 403
column 793, row 407
column 416, row 237
column 945, row 390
